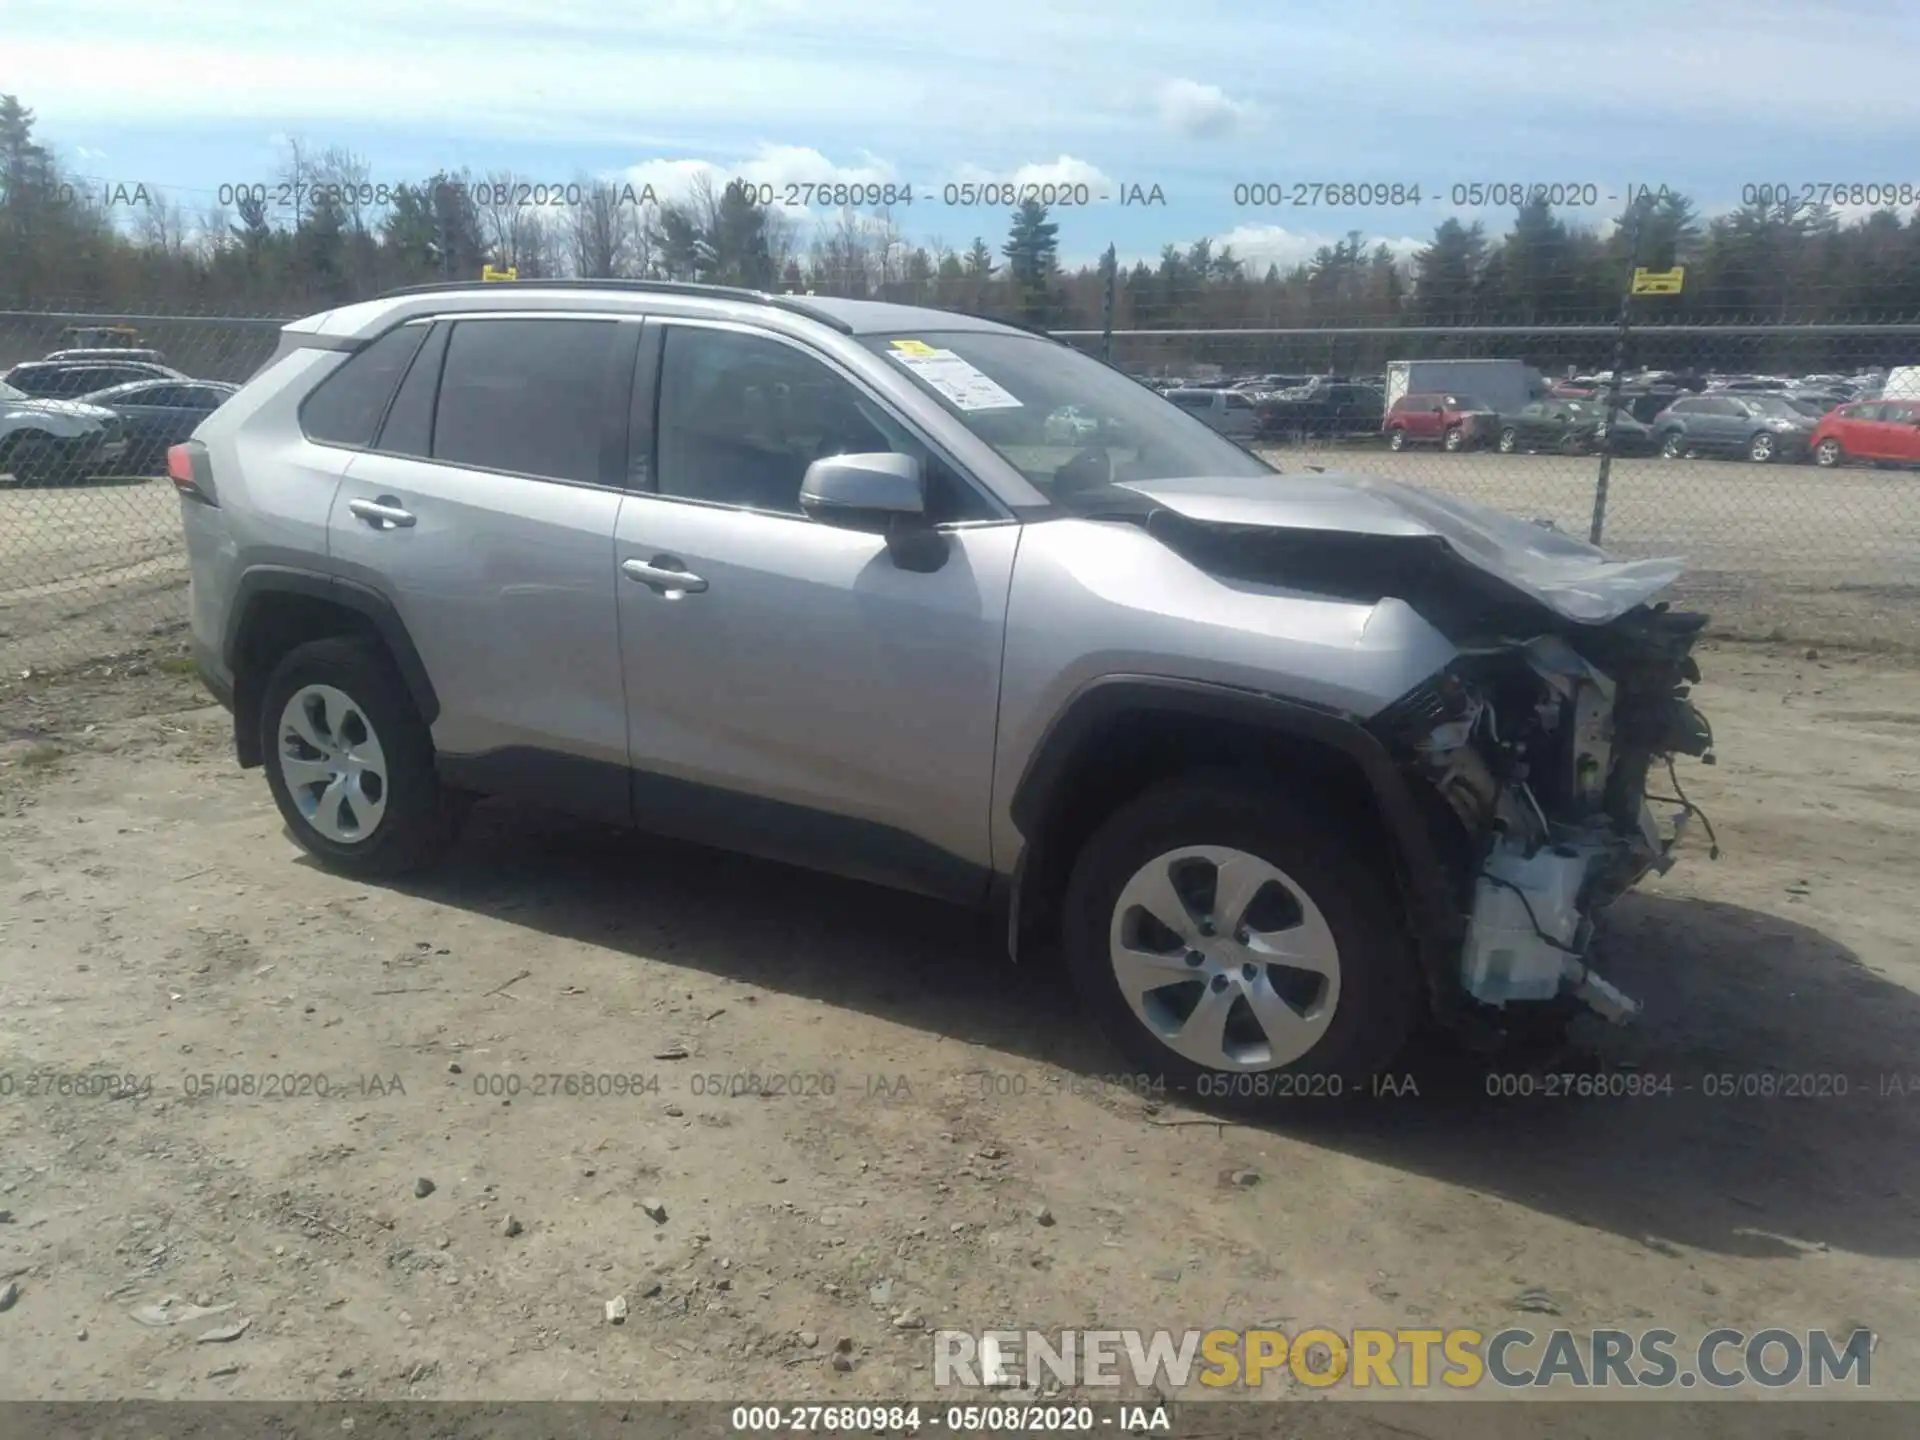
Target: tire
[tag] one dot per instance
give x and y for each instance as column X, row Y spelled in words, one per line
column 1339, row 1028
column 1763, row 449
column 1673, row 447
column 1829, row 454
column 1509, row 441
column 409, row 819
column 1397, row 439
column 1454, row 440
column 32, row 459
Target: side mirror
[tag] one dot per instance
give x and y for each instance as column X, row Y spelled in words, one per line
column 883, row 493
column 863, row 492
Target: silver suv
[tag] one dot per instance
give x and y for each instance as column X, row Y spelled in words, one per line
column 1284, row 764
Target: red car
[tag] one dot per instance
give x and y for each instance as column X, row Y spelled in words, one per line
column 1454, row 422
column 1885, row 430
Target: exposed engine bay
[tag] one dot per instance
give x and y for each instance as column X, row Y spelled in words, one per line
column 1542, row 753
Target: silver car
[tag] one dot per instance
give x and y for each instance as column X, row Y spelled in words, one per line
column 1283, row 764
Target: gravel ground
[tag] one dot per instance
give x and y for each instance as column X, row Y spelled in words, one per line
column 944, row 1144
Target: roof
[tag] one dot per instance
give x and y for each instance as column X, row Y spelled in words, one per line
column 850, row 317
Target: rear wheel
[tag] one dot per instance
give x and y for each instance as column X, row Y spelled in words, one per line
column 1829, row 453
column 1454, row 439
column 350, row 762
column 1397, row 439
column 1762, row 449
column 1235, row 943
column 1673, row 447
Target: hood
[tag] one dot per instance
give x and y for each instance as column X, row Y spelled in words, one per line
column 1577, row 581
column 77, row 409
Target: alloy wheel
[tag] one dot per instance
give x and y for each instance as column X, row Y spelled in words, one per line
column 1224, row 958
column 332, row 763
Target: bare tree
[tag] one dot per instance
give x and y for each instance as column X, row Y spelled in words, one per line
column 351, row 177
column 602, row 233
column 162, row 227
column 298, row 172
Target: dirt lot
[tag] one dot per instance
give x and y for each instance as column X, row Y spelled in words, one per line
column 155, row 922
column 88, row 571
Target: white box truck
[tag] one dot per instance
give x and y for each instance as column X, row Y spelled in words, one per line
column 1502, row 385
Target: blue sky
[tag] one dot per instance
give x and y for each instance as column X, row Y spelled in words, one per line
column 1195, row 97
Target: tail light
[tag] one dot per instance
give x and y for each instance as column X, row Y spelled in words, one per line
column 192, row 474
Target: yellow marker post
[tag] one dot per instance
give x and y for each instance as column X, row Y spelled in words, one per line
column 1659, row 282
column 487, row 272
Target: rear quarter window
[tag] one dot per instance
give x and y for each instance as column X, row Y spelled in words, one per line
column 346, row 408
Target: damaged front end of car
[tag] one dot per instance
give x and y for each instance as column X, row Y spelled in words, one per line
column 1531, row 750
column 1540, row 750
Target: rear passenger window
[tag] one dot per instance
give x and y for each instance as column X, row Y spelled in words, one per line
column 529, row 396
column 345, row 408
column 409, row 427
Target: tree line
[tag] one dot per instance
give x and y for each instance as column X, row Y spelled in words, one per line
column 326, row 234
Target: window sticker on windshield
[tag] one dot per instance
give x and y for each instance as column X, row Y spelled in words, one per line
column 947, row 374
column 913, row 347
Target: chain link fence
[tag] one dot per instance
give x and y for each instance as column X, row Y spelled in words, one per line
column 1719, row 444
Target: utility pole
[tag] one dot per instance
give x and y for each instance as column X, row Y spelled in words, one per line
column 1594, row 530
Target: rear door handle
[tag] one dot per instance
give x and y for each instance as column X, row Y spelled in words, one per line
column 664, row 575
column 385, row 513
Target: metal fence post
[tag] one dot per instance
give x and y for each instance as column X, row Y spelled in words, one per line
column 1598, row 526
column 1110, row 264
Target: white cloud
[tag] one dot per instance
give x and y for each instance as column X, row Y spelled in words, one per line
column 1065, row 171
column 1263, row 245
column 1198, row 112
column 777, row 173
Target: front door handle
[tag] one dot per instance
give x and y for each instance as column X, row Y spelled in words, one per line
column 385, row 513
column 664, row 575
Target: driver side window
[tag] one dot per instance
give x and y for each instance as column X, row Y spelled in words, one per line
column 742, row 416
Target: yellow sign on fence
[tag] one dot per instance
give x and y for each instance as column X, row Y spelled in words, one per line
column 1659, row 282
column 487, row 272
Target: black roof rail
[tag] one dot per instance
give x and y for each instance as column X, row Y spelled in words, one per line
column 793, row 303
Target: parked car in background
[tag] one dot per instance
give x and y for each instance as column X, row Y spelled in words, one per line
column 1573, row 425
column 1887, row 431
column 1453, row 422
column 1324, row 408
column 1228, row 411
column 63, row 380
column 1763, row 428
column 150, row 357
column 155, row 414
column 54, row 441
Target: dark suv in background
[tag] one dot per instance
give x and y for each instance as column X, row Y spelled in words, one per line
column 1763, row 428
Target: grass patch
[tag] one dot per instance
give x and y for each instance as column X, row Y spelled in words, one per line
column 175, row 665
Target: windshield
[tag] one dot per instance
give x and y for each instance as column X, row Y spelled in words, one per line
column 1004, row 387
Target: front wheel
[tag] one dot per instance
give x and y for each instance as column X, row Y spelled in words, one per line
column 1396, row 439
column 1455, row 439
column 1673, row 447
column 1234, row 943
column 1509, row 441
column 1762, row 449
column 350, row 762
column 1829, row 453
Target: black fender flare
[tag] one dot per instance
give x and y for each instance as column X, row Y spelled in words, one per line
column 264, row 580
column 1433, row 912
